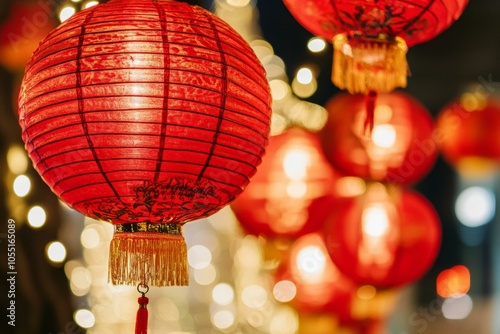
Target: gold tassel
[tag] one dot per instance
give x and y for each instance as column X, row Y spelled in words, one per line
column 363, row 65
column 139, row 256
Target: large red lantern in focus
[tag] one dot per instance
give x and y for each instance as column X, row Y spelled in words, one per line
column 370, row 38
column 292, row 192
column 400, row 149
column 384, row 238
column 469, row 133
column 146, row 114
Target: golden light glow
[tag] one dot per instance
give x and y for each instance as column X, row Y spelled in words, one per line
column 17, row 160
column 279, row 89
column 223, row 294
column 384, row 135
column 90, row 4
column 366, row 292
column 66, row 12
column 350, row 186
column 305, row 75
column 22, row 185
column 56, row 252
column 199, row 256
column 454, row 282
column 37, row 217
column 304, row 90
column 375, row 221
column 90, row 237
column 205, row 276
column 316, row 44
column 284, row 291
column 311, row 262
column 254, row 296
column 296, row 163
column 238, row 3
column 223, row 319
column 84, row 318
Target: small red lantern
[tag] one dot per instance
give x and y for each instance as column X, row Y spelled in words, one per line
column 370, row 38
column 310, row 279
column 292, row 192
column 384, row 238
column 400, row 149
column 28, row 23
column 146, row 114
column 311, row 282
column 469, row 133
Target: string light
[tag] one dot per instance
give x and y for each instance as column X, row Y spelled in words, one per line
column 37, row 217
column 316, row 44
column 22, row 185
column 66, row 12
column 56, row 252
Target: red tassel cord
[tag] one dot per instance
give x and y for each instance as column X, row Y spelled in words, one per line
column 370, row 101
column 141, row 322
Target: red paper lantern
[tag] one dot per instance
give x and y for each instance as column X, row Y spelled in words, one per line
column 469, row 133
column 400, row 149
column 370, row 38
column 382, row 238
column 28, row 23
column 310, row 280
column 146, row 114
column 292, row 192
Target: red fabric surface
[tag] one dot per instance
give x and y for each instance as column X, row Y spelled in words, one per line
column 352, row 152
column 415, row 21
column 400, row 255
column 145, row 111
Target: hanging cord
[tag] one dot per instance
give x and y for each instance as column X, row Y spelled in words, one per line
column 141, row 323
column 370, row 100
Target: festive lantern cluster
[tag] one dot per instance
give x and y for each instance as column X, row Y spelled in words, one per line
column 469, row 132
column 145, row 114
column 400, row 149
column 371, row 38
column 291, row 192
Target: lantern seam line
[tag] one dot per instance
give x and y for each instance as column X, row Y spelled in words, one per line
column 223, row 93
column 162, row 16
column 81, row 106
column 424, row 10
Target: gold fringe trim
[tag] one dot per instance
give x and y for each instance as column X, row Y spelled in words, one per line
column 372, row 64
column 155, row 259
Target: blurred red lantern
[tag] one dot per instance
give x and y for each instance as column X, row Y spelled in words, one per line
column 384, row 239
column 27, row 24
column 469, row 133
column 370, row 38
column 309, row 279
column 400, row 149
column 145, row 114
column 292, row 192
column 311, row 282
